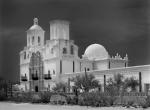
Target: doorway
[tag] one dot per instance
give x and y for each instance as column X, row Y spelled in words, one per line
column 36, row 88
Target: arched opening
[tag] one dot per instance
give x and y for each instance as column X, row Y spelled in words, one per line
column 32, row 40
column 38, row 39
column 24, row 55
column 36, row 89
column 64, row 50
column 72, row 50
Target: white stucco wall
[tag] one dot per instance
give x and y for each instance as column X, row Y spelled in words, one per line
column 101, row 65
column 24, row 69
column 67, row 66
column 117, row 63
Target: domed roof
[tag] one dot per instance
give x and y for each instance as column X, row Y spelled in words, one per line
column 35, row 26
column 96, row 51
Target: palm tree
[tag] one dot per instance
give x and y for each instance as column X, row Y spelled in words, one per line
column 86, row 82
column 116, row 83
column 131, row 83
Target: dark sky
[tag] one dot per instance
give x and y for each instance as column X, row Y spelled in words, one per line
column 119, row 25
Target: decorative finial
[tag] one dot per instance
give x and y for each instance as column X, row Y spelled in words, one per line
column 35, row 21
column 117, row 54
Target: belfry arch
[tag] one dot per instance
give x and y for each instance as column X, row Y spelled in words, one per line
column 36, row 72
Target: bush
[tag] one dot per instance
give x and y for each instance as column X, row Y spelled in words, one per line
column 93, row 99
column 21, row 97
column 72, row 100
column 36, row 98
column 58, row 99
column 45, row 97
column 2, row 96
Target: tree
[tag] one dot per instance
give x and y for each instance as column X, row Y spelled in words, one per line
column 86, row 82
column 116, row 83
column 60, row 87
column 131, row 83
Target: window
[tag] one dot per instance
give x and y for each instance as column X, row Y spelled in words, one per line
column 88, row 69
column 29, row 40
column 32, row 40
column 64, row 50
column 66, row 42
column 60, row 66
column 72, row 51
column 52, row 51
column 73, row 66
column 53, row 72
column 109, row 65
column 48, row 71
column 24, row 55
column 38, row 40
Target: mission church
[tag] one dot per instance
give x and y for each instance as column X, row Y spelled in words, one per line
column 43, row 64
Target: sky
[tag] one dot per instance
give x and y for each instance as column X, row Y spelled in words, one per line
column 121, row 26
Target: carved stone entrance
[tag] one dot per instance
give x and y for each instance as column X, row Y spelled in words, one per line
column 36, row 72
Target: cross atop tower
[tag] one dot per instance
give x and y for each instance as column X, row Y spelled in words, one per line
column 35, row 20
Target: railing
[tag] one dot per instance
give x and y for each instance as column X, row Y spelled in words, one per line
column 35, row 77
column 23, row 78
column 47, row 76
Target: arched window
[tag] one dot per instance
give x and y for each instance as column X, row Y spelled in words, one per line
column 52, row 51
column 64, row 50
column 32, row 39
column 48, row 71
column 53, row 71
column 38, row 40
column 29, row 40
column 72, row 50
column 24, row 55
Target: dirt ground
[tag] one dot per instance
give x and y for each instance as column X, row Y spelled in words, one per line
column 28, row 106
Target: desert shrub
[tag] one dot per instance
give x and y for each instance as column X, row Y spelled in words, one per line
column 21, row 97
column 148, row 101
column 58, row 99
column 72, row 100
column 130, row 103
column 36, row 98
column 2, row 96
column 45, row 97
column 93, row 99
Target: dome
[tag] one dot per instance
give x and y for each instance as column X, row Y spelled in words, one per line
column 35, row 25
column 96, row 51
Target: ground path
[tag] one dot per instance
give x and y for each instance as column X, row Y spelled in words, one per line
column 28, row 106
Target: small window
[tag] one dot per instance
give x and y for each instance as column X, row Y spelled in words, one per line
column 52, row 51
column 32, row 39
column 53, row 71
column 48, row 71
column 88, row 69
column 38, row 39
column 64, row 51
column 66, row 42
column 29, row 40
column 24, row 55
column 36, row 72
column 72, row 50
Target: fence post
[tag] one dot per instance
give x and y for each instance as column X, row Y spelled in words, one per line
column 140, row 82
column 104, row 83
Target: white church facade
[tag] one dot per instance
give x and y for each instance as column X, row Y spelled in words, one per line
column 42, row 64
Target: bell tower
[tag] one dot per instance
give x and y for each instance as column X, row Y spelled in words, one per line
column 59, row 30
column 35, row 34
